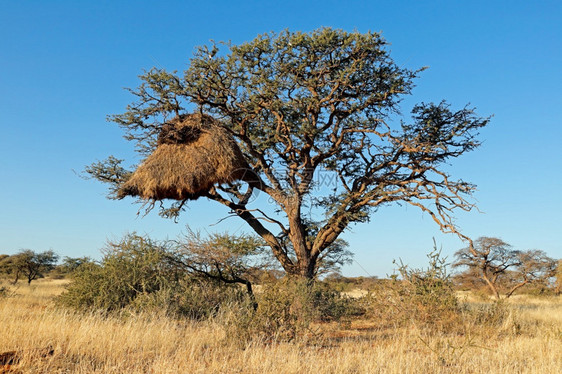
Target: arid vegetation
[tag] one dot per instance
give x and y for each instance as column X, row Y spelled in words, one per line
column 269, row 116
column 132, row 313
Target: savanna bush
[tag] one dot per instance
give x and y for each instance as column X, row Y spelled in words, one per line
column 285, row 310
column 142, row 275
column 192, row 298
column 129, row 268
column 138, row 275
column 425, row 297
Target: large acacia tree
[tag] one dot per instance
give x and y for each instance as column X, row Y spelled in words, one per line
column 303, row 106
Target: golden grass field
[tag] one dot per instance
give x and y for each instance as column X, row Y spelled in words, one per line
column 529, row 341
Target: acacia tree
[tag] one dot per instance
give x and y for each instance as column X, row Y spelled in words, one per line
column 487, row 258
column 29, row 264
column 499, row 266
column 302, row 105
column 534, row 267
column 224, row 257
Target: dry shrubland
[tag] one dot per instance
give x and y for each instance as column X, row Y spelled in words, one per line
column 524, row 335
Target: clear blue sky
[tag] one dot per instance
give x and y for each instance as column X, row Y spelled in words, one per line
column 63, row 66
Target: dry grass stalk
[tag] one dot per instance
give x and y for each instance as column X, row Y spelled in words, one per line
column 193, row 154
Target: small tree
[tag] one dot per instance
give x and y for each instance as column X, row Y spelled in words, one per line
column 29, row 264
column 500, row 267
column 224, row 257
column 421, row 295
column 302, row 106
column 5, row 267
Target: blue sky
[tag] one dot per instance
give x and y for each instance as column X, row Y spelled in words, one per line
column 64, row 64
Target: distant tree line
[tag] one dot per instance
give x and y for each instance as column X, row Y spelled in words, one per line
column 489, row 263
column 30, row 265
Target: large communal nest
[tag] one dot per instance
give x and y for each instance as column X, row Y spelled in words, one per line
column 193, row 154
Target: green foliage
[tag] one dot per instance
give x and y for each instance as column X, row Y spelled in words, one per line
column 6, row 267
column 131, row 267
column 430, row 286
column 191, row 298
column 109, row 171
column 302, row 106
column 558, row 275
column 68, row 266
column 196, row 278
column 140, row 274
column 88, row 289
column 28, row 264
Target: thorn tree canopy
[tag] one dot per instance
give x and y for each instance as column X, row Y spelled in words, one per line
column 301, row 105
column 499, row 266
column 29, row 264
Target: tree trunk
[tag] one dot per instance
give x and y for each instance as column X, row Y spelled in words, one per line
column 17, row 277
column 491, row 285
column 31, row 276
column 306, row 262
column 515, row 288
column 250, row 292
column 306, row 268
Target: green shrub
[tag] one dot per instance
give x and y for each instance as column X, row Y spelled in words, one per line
column 68, row 266
column 426, row 298
column 132, row 267
column 140, row 275
column 285, row 310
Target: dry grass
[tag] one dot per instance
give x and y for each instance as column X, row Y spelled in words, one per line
column 530, row 341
